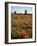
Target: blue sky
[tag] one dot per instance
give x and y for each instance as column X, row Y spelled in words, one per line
column 19, row 9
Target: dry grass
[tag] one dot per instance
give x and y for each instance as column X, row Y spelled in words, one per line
column 21, row 26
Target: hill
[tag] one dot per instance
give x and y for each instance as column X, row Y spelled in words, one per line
column 21, row 26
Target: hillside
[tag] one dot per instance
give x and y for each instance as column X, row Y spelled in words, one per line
column 21, row 26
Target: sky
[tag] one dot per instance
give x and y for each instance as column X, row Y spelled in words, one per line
column 19, row 9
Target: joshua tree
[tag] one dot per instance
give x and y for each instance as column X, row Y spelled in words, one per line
column 14, row 12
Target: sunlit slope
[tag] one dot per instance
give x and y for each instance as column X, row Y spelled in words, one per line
column 21, row 25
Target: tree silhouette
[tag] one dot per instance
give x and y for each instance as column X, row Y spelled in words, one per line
column 14, row 12
column 25, row 11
